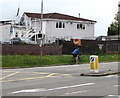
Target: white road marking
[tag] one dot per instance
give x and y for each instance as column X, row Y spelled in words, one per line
column 76, row 92
column 114, row 95
column 109, row 76
column 116, row 85
column 34, row 68
column 43, row 89
column 75, row 69
column 28, row 91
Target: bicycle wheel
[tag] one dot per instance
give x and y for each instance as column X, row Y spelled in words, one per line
column 72, row 61
column 80, row 60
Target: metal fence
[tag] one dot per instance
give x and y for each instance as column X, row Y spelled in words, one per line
column 113, row 47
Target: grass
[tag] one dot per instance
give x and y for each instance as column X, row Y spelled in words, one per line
column 32, row 60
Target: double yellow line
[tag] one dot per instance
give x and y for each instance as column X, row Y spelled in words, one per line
column 50, row 75
column 9, row 75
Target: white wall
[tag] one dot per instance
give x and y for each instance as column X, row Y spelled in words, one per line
column 32, row 24
column 19, row 30
column 5, row 32
column 70, row 30
column 119, row 6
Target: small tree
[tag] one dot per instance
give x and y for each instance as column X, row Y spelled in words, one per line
column 113, row 29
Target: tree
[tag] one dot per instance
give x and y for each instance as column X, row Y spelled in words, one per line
column 113, row 29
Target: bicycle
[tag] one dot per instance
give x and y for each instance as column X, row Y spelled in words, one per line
column 74, row 60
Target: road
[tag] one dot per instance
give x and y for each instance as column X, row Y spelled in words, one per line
column 64, row 80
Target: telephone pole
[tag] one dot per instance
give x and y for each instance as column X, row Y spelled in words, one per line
column 119, row 18
column 41, row 31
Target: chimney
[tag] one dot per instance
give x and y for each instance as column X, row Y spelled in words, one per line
column 79, row 15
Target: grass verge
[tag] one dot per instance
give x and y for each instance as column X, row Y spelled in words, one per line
column 10, row 61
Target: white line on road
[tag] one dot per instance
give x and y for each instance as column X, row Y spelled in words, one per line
column 116, row 85
column 75, row 69
column 43, row 89
column 76, row 92
column 118, row 96
column 111, row 76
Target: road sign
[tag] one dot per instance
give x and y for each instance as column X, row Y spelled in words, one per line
column 77, row 41
column 94, row 63
column 91, row 59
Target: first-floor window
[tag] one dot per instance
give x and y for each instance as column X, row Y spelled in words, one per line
column 57, row 25
column 81, row 26
column 60, row 25
column 63, row 25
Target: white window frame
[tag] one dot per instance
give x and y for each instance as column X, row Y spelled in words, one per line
column 60, row 25
column 81, row 26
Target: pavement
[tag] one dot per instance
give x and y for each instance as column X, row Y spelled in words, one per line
column 101, row 73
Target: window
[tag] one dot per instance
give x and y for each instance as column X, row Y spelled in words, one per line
column 77, row 26
column 60, row 25
column 57, row 25
column 81, row 26
column 63, row 25
column 16, row 34
column 32, row 18
column 22, row 34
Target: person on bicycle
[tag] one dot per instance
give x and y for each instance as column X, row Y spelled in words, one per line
column 75, row 53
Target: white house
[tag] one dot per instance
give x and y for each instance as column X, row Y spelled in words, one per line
column 56, row 25
column 9, row 29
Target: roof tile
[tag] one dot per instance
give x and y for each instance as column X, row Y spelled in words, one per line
column 56, row 16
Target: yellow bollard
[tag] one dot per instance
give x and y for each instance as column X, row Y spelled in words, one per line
column 94, row 66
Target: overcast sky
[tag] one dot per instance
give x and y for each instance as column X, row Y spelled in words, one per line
column 102, row 11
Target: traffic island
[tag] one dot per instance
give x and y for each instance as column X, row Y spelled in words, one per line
column 94, row 69
column 102, row 73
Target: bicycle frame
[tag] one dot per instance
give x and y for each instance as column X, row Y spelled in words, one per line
column 73, row 60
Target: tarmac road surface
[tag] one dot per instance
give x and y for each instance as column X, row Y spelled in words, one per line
column 64, row 80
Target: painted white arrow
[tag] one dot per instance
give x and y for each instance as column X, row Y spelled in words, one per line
column 43, row 89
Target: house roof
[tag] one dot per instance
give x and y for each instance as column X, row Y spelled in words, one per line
column 56, row 16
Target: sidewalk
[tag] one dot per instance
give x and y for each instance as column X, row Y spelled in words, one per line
column 101, row 73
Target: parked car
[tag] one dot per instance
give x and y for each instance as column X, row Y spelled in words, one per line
column 16, row 40
column 22, row 40
column 27, row 40
column 7, row 42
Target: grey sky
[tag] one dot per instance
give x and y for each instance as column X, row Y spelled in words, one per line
column 102, row 11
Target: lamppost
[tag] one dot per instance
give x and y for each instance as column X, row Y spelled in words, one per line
column 119, row 18
column 41, row 31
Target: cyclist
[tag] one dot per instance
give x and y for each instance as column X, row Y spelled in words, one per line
column 76, row 53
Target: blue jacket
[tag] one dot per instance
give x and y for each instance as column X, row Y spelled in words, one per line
column 76, row 51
